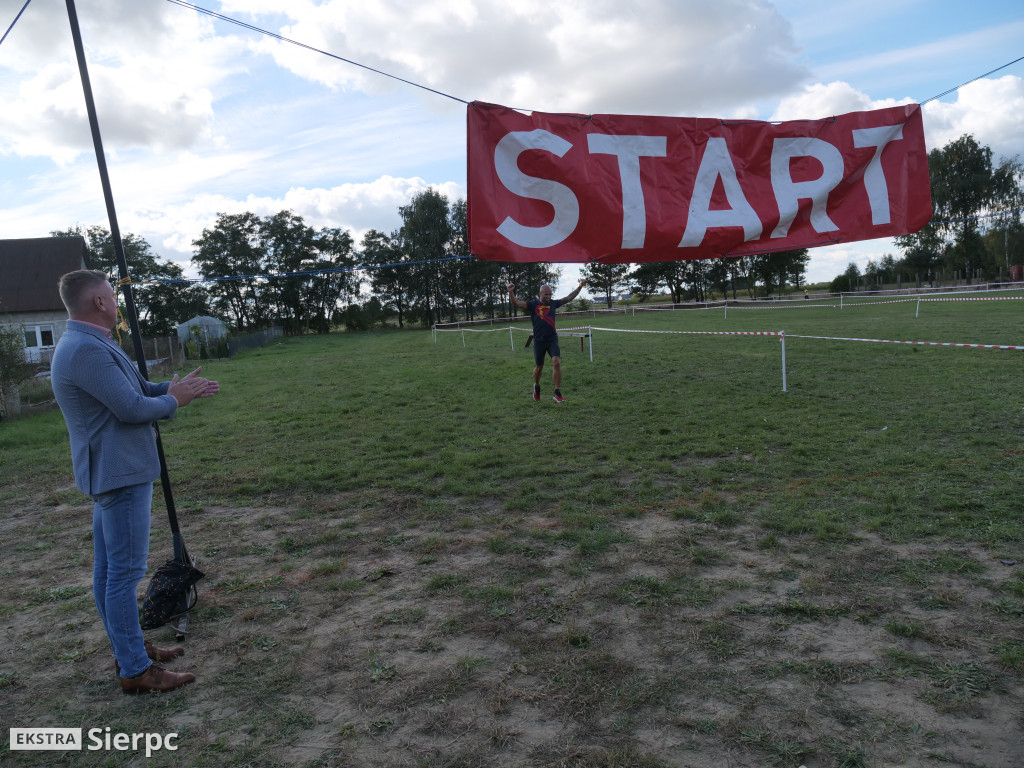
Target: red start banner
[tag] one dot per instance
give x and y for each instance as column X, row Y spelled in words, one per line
column 628, row 188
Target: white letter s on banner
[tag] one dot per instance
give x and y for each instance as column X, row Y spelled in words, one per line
column 561, row 198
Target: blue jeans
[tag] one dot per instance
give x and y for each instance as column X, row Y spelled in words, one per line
column 120, row 532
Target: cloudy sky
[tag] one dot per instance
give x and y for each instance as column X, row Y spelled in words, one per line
column 200, row 116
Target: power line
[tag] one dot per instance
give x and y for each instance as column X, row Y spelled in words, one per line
column 276, row 36
column 945, row 93
column 15, row 21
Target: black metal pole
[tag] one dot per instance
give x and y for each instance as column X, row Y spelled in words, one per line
column 122, row 265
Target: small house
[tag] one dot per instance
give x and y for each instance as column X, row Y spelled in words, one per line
column 30, row 270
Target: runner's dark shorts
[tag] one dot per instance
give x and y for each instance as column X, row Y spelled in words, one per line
column 540, row 347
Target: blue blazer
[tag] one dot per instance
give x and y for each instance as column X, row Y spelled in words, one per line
column 109, row 409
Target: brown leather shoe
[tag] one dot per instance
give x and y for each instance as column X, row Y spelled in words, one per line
column 163, row 654
column 156, row 679
column 156, row 653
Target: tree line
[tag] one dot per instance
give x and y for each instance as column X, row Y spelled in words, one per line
column 977, row 228
column 417, row 274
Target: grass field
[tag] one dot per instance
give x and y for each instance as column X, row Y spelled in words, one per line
column 411, row 563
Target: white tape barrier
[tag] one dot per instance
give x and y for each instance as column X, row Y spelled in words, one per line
column 510, row 328
column 781, row 334
column 696, row 333
column 921, row 343
column 745, row 304
column 795, row 304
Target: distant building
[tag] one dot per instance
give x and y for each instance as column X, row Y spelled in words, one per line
column 30, row 270
column 201, row 328
column 615, row 297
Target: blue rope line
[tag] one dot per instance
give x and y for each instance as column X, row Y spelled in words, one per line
column 310, row 273
column 15, row 21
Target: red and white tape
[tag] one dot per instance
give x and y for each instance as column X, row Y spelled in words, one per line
column 782, row 334
column 897, row 341
column 695, row 333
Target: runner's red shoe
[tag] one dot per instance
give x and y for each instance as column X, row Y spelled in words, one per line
column 558, row 397
column 536, row 393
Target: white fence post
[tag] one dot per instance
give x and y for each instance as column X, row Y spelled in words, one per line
column 783, row 335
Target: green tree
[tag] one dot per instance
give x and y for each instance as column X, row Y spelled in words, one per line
column 171, row 302
column 13, row 369
column 374, row 312
column 232, row 250
column 1005, row 244
column 287, row 246
column 966, row 186
column 719, row 276
column 478, row 280
column 871, row 274
column 887, row 268
column 605, row 278
column 684, row 279
column 1005, row 238
column 159, row 307
column 848, row 281
column 647, row 279
column 138, row 254
column 335, row 280
column 697, row 274
column 922, row 253
column 355, row 318
column 962, row 187
column 390, row 279
column 777, row 269
column 423, row 238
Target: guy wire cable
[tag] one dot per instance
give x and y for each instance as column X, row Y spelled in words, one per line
column 283, row 39
column 15, row 21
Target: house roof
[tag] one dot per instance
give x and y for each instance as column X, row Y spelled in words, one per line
column 31, row 268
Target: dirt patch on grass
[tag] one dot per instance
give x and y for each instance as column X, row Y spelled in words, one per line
column 379, row 630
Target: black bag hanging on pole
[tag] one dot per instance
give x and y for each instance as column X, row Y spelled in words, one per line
column 171, row 593
column 172, row 590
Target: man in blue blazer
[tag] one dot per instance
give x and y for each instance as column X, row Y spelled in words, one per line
column 110, row 410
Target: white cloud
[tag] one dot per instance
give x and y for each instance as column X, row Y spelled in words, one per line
column 153, row 71
column 580, row 56
column 990, row 110
column 821, row 100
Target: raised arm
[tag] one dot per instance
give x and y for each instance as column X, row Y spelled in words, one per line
column 512, row 297
column 574, row 294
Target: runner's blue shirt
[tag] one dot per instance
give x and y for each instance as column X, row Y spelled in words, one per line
column 543, row 319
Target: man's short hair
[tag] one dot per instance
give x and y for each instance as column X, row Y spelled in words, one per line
column 76, row 286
